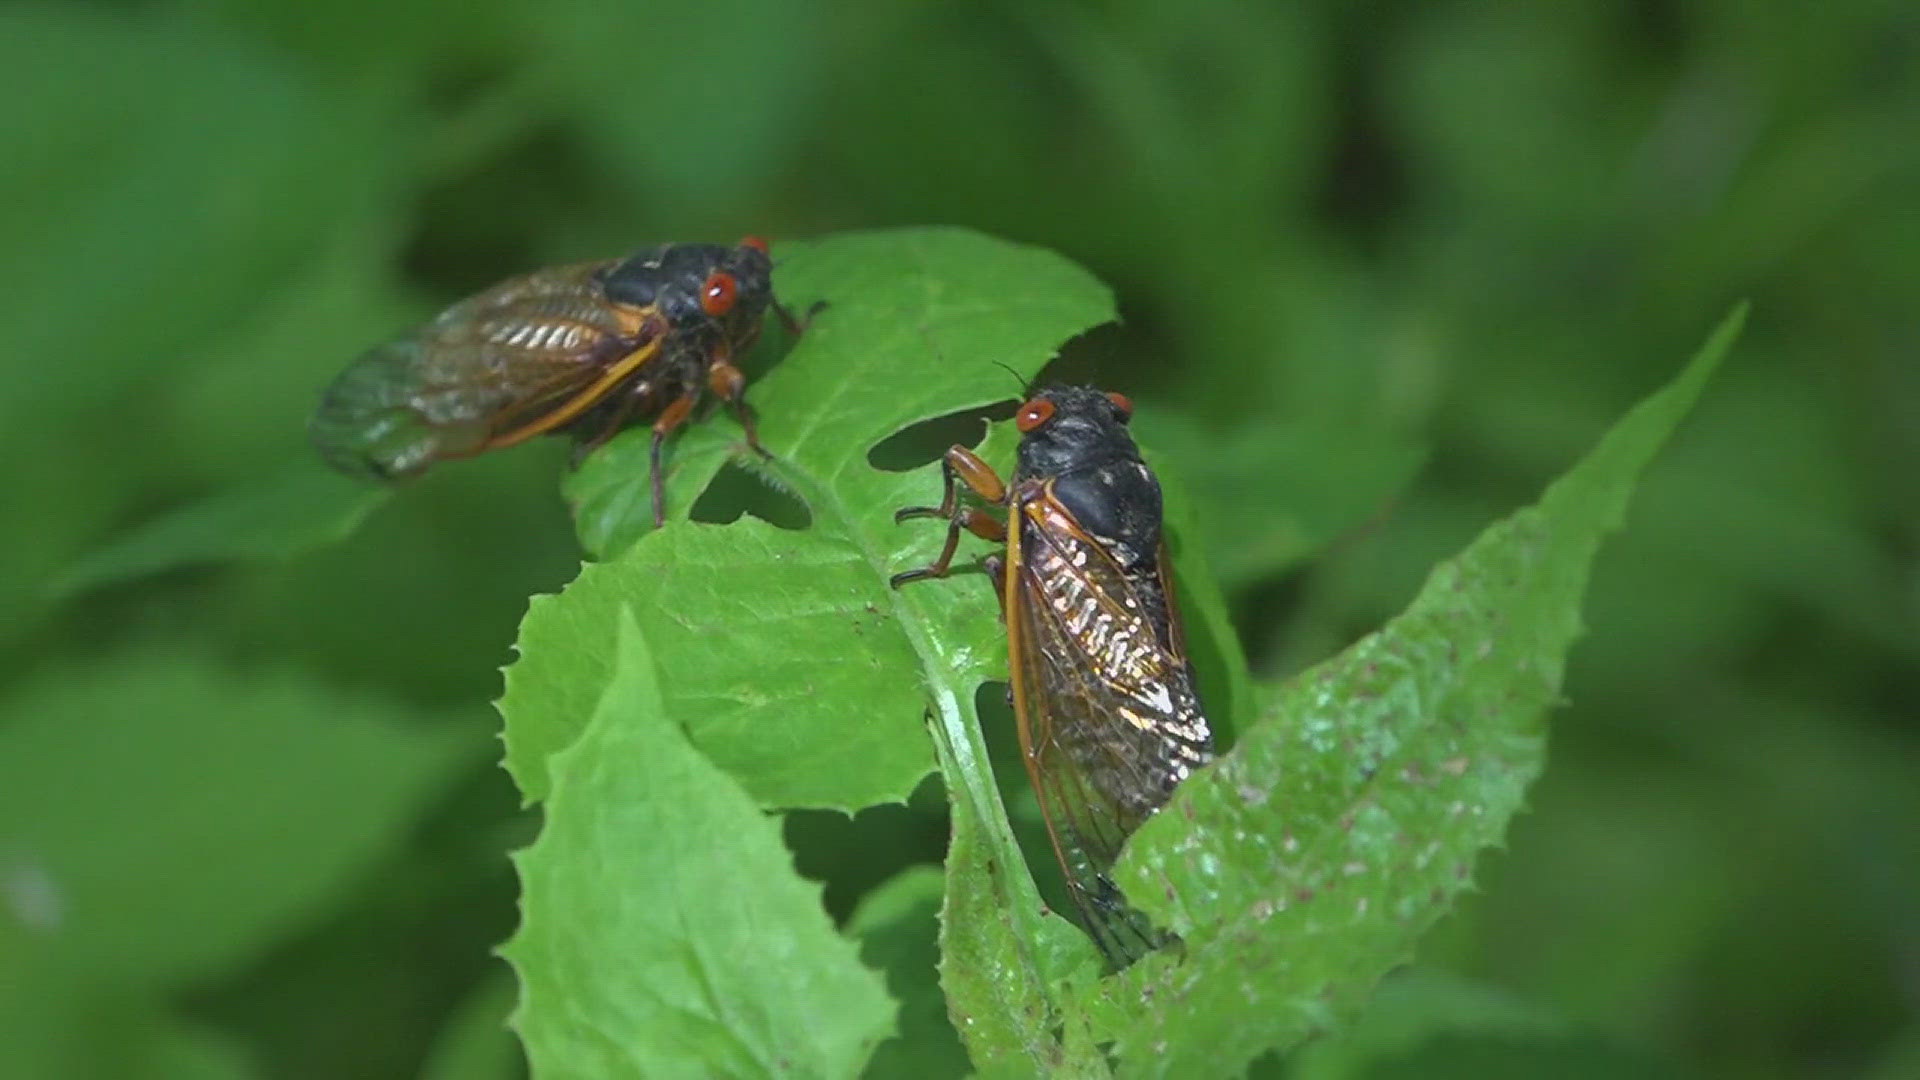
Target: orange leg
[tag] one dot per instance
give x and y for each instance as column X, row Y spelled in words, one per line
column 727, row 381
column 974, row 521
column 960, row 464
column 670, row 420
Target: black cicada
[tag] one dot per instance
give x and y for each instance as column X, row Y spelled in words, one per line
column 1103, row 693
column 583, row 348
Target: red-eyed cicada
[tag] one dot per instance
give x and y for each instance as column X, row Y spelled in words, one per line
column 1102, row 689
column 583, row 349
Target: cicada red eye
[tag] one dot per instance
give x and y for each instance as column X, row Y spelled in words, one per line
column 1121, row 402
column 1033, row 414
column 718, row 294
column 758, row 243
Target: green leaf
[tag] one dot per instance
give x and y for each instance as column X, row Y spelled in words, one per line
column 1429, row 1023
column 156, row 202
column 476, row 1044
column 126, row 243
column 1272, row 494
column 664, row 929
column 791, row 662
column 163, row 818
column 300, row 508
column 994, row 965
column 779, row 654
column 1219, row 662
column 1474, row 1056
column 898, row 925
column 918, row 324
column 161, row 1048
column 642, row 82
column 1409, row 1010
column 794, row 666
column 1306, row 862
column 50, row 1027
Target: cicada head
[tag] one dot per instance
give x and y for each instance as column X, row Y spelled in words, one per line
column 711, row 290
column 1066, row 429
column 1075, row 438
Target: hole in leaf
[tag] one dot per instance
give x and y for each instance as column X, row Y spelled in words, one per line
column 851, row 855
column 736, row 491
column 917, row 444
column 1082, row 359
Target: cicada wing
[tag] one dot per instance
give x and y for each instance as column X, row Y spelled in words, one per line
column 525, row 356
column 1106, row 712
column 367, row 425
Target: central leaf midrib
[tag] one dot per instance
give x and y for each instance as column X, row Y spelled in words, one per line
column 977, row 781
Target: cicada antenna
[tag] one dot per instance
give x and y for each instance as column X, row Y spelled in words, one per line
column 1026, row 384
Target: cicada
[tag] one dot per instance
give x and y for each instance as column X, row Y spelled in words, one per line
column 583, row 349
column 1103, row 692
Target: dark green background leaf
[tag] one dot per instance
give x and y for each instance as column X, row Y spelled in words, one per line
column 299, row 509
column 275, row 790
column 477, row 1044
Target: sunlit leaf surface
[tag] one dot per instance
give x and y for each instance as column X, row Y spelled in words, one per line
column 664, row 930
column 1308, row 861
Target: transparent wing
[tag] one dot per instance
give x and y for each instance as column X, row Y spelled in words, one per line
column 522, row 357
column 1109, row 722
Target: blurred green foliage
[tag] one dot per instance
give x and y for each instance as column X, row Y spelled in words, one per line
column 1347, row 239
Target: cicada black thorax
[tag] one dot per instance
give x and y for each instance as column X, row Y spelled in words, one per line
column 1094, row 472
column 707, row 301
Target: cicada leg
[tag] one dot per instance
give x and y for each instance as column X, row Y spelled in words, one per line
column 670, row 420
column 996, row 568
column 726, row 380
column 959, row 465
column 798, row 326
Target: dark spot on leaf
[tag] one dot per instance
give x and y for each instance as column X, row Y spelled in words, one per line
column 1303, row 894
column 917, row 444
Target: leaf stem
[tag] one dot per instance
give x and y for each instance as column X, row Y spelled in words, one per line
column 959, row 745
